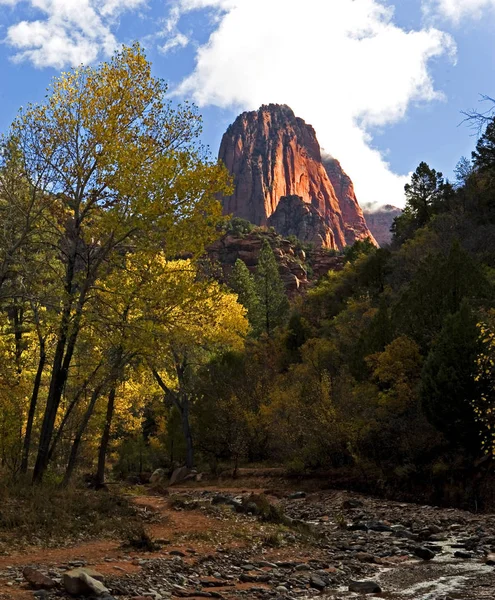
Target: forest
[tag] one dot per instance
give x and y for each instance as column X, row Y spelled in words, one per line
column 121, row 352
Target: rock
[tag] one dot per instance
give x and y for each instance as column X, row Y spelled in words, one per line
column 365, row 557
column 424, row 553
column 365, row 587
column 356, row 227
column 380, row 220
column 273, row 154
column 41, row 595
column 404, row 533
column 294, row 217
column 462, row 554
column 352, row 503
column 378, row 526
column 297, row 496
column 317, row 582
column 158, row 477
column 84, row 582
column 179, row 475
column 37, row 580
column 490, row 559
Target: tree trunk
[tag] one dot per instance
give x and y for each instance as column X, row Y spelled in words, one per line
column 186, row 429
column 102, row 454
column 32, row 409
column 80, row 432
column 68, row 412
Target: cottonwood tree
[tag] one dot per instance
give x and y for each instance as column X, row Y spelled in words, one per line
column 122, row 171
column 187, row 334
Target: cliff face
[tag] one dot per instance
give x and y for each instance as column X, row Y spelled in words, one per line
column 273, row 154
column 293, row 216
column 380, row 221
column 356, row 227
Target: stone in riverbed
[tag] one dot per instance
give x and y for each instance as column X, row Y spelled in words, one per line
column 317, row 582
column 365, row 587
column 37, row 580
column 424, row 553
column 84, row 582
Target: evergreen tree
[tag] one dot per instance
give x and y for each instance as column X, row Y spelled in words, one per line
column 484, row 155
column 425, row 197
column 448, row 387
column 243, row 284
column 274, row 305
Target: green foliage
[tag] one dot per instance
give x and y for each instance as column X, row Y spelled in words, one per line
column 426, row 195
column 239, row 227
column 358, row 249
column 274, row 305
column 448, row 385
column 243, row 284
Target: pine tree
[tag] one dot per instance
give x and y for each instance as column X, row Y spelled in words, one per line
column 243, row 284
column 274, row 305
column 448, row 386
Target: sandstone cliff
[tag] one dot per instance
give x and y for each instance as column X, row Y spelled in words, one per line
column 293, row 216
column 356, row 227
column 380, row 221
column 274, row 154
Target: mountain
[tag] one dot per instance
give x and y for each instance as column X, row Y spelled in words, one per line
column 273, row 154
column 380, row 221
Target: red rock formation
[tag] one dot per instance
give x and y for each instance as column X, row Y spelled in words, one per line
column 293, row 263
column 273, row 154
column 356, row 227
column 380, row 221
column 295, row 217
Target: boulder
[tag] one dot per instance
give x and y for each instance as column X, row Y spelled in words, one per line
column 37, row 580
column 84, row 582
column 365, row 587
column 424, row 553
column 180, row 474
column 158, row 477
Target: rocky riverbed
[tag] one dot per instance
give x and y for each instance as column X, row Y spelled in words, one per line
column 280, row 545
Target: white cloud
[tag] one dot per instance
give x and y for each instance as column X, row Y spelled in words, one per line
column 456, row 10
column 175, row 39
column 69, row 32
column 179, row 40
column 342, row 65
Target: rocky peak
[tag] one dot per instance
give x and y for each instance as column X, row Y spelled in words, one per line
column 273, row 154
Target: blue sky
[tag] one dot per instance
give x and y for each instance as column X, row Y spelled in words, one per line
column 383, row 82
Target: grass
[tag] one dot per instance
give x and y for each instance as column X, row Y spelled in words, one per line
column 47, row 515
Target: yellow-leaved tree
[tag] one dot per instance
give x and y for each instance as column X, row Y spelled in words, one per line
column 185, row 335
column 116, row 169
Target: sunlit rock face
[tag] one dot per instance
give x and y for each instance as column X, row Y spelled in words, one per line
column 273, row 154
